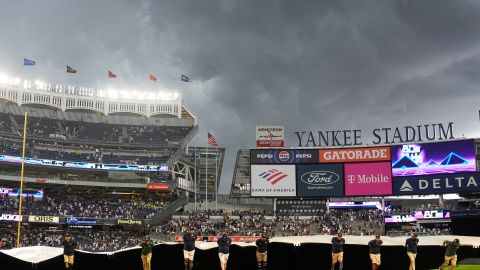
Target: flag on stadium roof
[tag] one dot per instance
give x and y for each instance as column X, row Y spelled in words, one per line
column 71, row 70
column 211, row 140
column 152, row 78
column 194, row 154
column 184, row 78
column 27, row 62
column 111, row 74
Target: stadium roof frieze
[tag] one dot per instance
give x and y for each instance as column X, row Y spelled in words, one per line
column 145, row 103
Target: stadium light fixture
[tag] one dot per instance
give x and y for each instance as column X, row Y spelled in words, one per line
column 16, row 81
column 125, row 94
column 4, row 79
column 112, row 94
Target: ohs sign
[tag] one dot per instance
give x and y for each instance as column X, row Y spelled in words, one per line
column 44, row 219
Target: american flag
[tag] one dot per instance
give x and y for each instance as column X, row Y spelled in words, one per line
column 211, row 140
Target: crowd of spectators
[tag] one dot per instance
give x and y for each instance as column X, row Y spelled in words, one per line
column 87, row 239
column 94, row 205
column 254, row 223
column 206, row 223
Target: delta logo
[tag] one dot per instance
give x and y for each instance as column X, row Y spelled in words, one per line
column 273, row 176
column 283, row 156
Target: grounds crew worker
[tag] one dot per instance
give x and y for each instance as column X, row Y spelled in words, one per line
column 224, row 243
column 411, row 245
column 262, row 246
column 450, row 253
column 189, row 248
column 337, row 251
column 375, row 246
column 69, row 246
column 147, row 247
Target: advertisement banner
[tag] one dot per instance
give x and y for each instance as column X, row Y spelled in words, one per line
column 431, row 214
column 283, row 156
column 320, row 180
column 129, row 222
column 355, row 205
column 345, row 155
column 79, row 221
column 236, row 238
column 158, row 186
column 366, row 179
column 273, row 181
column 37, row 194
column 300, row 207
column 436, row 184
column 44, row 219
column 9, row 217
column 418, row 215
column 434, row 158
column 270, row 136
column 399, row 218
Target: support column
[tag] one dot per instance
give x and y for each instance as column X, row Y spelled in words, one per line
column 441, row 201
column 274, row 207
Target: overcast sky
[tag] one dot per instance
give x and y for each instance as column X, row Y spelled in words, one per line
column 308, row 65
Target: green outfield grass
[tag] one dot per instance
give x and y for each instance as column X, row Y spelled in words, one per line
column 468, row 267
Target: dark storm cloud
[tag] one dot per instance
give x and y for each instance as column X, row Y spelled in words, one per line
column 308, row 65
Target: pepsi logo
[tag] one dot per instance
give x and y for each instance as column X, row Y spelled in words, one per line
column 283, row 155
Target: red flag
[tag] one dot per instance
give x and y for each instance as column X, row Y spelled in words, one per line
column 111, row 75
column 152, row 78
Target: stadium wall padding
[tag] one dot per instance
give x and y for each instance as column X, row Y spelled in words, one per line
column 282, row 256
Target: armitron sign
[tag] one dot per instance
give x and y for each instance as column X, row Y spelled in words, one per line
column 44, row 219
column 270, row 136
column 354, row 154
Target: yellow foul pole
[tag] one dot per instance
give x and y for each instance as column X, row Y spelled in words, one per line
column 21, row 180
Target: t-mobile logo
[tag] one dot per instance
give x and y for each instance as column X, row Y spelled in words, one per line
column 351, row 179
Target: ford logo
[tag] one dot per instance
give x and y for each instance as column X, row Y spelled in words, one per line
column 319, row 178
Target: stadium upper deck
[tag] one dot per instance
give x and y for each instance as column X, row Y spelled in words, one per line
column 80, row 124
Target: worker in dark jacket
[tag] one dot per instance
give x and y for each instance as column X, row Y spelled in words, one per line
column 411, row 245
column 224, row 243
column 450, row 254
column 146, row 253
column 375, row 246
column 189, row 248
column 69, row 246
column 262, row 246
column 337, row 251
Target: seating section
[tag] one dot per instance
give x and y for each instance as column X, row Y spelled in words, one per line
column 90, row 137
column 87, row 131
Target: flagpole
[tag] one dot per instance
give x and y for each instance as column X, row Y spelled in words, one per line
column 206, row 178
column 216, row 179
column 195, row 183
column 21, row 179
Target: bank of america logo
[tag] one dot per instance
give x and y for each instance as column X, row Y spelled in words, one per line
column 406, row 186
column 273, row 176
